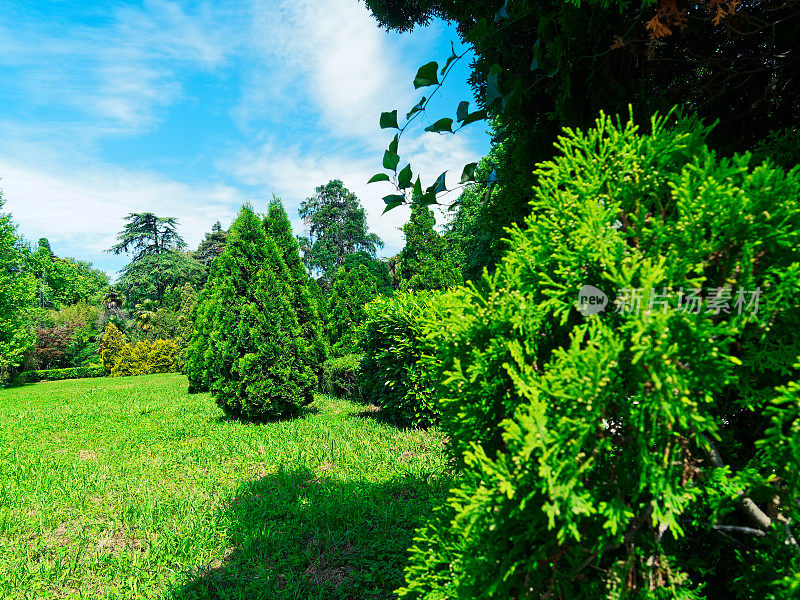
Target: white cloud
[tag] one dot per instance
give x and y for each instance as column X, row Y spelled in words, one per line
column 83, row 210
column 326, row 61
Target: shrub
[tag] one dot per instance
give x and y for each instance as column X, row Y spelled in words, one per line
column 628, row 453
column 398, row 331
column 146, row 357
column 247, row 347
column 112, row 344
column 59, row 374
column 342, row 377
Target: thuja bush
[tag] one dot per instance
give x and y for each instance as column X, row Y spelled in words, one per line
column 146, row 357
column 278, row 227
column 247, row 346
column 352, row 289
column 397, row 333
column 638, row 452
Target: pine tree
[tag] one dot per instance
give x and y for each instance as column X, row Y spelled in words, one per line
column 212, row 246
column 278, row 227
column 247, row 347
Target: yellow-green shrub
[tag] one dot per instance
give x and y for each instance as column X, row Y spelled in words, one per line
column 111, row 345
column 146, row 357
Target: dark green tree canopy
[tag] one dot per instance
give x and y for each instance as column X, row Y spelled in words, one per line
column 352, row 289
column 212, row 246
column 540, row 66
column 337, row 226
column 146, row 233
column 153, row 275
column 377, row 267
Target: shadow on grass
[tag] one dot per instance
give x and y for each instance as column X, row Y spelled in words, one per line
column 300, row 535
column 303, row 412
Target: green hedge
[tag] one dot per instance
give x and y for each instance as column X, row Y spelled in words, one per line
column 398, row 337
column 342, row 377
column 58, row 374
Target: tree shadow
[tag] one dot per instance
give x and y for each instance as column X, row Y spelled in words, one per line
column 375, row 412
column 297, row 534
column 302, row 413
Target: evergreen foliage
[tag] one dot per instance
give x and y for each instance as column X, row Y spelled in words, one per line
column 212, row 245
column 378, row 268
column 154, row 276
column 337, row 226
column 630, row 453
column 16, row 299
column 146, row 234
column 352, row 289
column 278, row 227
column 398, row 332
column 342, row 377
column 112, row 344
column 247, row 346
column 145, row 357
column 425, row 263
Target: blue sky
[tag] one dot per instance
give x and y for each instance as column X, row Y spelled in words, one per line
column 189, row 109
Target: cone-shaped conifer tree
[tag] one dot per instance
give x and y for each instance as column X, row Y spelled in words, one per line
column 248, row 349
column 278, row 227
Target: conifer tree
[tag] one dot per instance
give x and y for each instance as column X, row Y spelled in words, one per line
column 278, row 227
column 425, row 262
column 248, row 348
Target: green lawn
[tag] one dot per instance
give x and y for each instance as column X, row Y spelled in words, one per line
column 131, row 488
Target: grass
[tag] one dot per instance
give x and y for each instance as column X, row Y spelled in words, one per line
column 131, row 488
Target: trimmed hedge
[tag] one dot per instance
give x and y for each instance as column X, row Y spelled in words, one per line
column 398, row 338
column 342, row 377
column 59, row 374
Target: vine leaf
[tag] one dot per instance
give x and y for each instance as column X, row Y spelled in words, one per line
column 389, row 120
column 438, row 185
column 502, row 13
column 393, row 144
column 416, row 108
column 468, row 174
column 404, row 177
column 445, row 124
column 537, row 56
column 478, row 115
column 493, row 92
column 393, row 201
column 417, row 192
column 427, row 75
column 379, row 177
column 453, row 56
column 462, row 110
column 390, row 160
